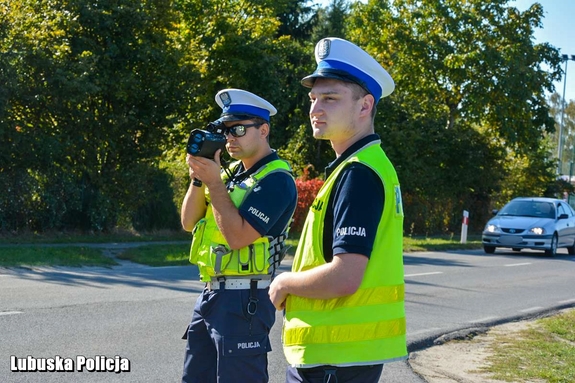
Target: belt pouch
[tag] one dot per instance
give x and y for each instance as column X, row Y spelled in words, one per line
column 244, row 260
column 260, row 262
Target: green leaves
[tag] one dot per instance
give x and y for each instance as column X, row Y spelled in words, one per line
column 94, row 87
column 97, row 94
column 469, row 106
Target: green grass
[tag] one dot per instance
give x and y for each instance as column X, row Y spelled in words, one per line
column 154, row 255
column 158, row 255
column 79, row 237
column 440, row 243
column 545, row 352
column 72, row 256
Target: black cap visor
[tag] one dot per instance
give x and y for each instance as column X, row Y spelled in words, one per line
column 236, row 117
column 335, row 74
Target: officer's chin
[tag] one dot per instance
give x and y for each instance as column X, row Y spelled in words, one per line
column 235, row 154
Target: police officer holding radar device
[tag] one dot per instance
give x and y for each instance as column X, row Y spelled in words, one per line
column 239, row 220
column 344, row 298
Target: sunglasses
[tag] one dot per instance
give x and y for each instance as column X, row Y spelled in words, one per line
column 240, row 129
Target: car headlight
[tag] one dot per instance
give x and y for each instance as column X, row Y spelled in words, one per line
column 492, row 228
column 537, row 230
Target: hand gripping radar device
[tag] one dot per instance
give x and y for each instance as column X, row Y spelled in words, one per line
column 206, row 142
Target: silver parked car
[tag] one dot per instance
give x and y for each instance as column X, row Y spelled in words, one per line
column 531, row 223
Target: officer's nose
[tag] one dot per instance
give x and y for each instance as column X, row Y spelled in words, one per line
column 229, row 136
column 315, row 108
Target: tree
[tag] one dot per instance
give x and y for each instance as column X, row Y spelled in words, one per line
column 331, row 20
column 237, row 44
column 302, row 149
column 89, row 107
column 297, row 18
column 469, row 83
column 475, row 59
column 563, row 113
column 98, row 99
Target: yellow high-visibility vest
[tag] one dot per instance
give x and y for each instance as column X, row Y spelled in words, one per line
column 210, row 250
column 367, row 327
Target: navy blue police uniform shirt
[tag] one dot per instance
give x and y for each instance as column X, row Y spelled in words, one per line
column 354, row 208
column 270, row 205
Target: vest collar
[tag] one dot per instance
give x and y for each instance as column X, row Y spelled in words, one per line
column 356, row 146
column 241, row 174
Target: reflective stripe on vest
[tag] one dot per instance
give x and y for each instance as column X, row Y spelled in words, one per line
column 210, row 250
column 367, row 327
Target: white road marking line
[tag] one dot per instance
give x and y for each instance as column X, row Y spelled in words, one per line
column 536, row 308
column 487, row 319
column 420, row 274
column 517, row 264
column 566, row 301
column 10, row 312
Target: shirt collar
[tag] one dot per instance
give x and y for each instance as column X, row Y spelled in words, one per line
column 242, row 174
column 349, row 151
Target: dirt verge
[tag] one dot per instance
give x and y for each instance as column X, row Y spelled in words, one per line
column 458, row 361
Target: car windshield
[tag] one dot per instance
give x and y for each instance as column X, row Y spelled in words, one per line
column 529, row 209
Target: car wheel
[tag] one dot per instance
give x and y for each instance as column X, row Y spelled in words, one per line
column 552, row 251
column 571, row 249
column 489, row 249
column 516, row 249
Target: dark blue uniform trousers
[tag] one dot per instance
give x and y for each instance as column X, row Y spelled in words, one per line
column 331, row 374
column 225, row 344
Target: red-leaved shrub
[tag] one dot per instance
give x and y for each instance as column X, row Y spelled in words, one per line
column 306, row 190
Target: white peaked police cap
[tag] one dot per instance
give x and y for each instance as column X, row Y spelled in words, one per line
column 342, row 60
column 240, row 104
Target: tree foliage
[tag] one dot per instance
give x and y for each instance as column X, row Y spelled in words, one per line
column 91, row 96
column 470, row 94
column 235, row 44
column 99, row 96
column 563, row 113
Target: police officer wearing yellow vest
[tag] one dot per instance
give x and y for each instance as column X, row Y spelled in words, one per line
column 344, row 298
column 239, row 221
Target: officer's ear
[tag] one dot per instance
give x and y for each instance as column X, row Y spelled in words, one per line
column 265, row 130
column 367, row 105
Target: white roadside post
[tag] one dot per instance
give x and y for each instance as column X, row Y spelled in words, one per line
column 464, row 226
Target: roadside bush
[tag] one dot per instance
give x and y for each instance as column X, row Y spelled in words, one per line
column 16, row 203
column 307, row 190
column 156, row 210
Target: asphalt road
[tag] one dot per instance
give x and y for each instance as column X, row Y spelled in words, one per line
column 140, row 313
